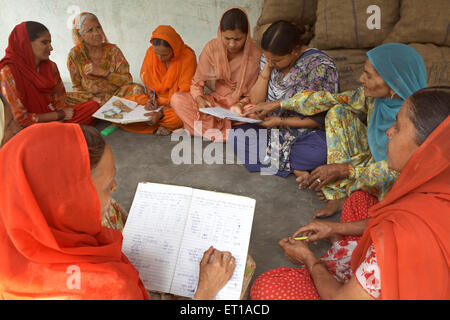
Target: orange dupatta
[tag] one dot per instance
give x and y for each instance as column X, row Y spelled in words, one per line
column 50, row 222
column 177, row 78
column 410, row 227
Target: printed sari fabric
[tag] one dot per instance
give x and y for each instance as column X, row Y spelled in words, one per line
column 118, row 83
column 229, row 81
column 347, row 140
column 297, row 148
column 50, row 222
column 297, row 284
column 32, row 90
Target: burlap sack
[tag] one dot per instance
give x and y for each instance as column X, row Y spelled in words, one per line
column 423, row 22
column 296, row 11
column 350, row 65
column 437, row 61
column 344, row 23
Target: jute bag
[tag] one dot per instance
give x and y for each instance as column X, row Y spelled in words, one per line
column 350, row 65
column 296, row 11
column 344, row 23
column 423, row 22
column 437, row 62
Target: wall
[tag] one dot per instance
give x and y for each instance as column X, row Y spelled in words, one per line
column 128, row 24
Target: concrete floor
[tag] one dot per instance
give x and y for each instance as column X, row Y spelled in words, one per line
column 280, row 207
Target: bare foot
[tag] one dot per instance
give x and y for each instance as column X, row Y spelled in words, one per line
column 162, row 131
column 302, row 178
column 332, row 207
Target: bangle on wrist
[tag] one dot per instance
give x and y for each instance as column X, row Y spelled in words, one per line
column 265, row 78
column 61, row 115
column 313, row 265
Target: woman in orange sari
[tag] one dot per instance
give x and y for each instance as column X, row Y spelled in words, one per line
column 98, row 69
column 30, row 81
column 52, row 242
column 168, row 67
column 229, row 67
column 404, row 251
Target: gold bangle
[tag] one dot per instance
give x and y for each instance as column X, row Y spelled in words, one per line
column 265, row 78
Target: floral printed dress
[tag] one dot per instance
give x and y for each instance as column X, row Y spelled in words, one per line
column 118, row 83
column 347, row 142
column 295, row 148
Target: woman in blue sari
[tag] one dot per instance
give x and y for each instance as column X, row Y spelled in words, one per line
column 287, row 66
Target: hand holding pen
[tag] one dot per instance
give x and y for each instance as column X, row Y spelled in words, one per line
column 152, row 103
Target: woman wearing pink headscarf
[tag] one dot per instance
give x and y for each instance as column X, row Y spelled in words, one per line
column 229, row 67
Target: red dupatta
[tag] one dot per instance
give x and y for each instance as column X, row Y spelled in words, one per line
column 50, row 222
column 34, row 87
column 410, row 227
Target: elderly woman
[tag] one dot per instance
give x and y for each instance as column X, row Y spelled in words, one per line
column 98, row 69
column 404, row 251
column 168, row 68
column 288, row 66
column 356, row 122
column 228, row 66
column 46, row 231
column 30, row 81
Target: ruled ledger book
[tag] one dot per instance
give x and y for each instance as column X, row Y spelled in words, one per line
column 170, row 227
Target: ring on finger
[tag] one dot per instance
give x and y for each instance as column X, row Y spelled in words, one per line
column 318, row 180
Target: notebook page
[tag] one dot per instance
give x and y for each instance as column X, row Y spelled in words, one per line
column 153, row 232
column 223, row 221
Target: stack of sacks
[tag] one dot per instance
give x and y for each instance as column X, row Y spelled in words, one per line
column 295, row 11
column 341, row 31
column 425, row 26
column 347, row 29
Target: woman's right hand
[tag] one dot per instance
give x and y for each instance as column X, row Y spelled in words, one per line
column 152, row 104
column 68, row 113
column 262, row 109
column 202, row 102
column 317, row 230
column 216, row 269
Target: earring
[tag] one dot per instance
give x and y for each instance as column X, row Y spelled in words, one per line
column 392, row 95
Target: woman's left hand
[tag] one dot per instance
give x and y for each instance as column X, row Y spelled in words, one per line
column 92, row 69
column 326, row 174
column 271, row 122
column 297, row 251
column 237, row 109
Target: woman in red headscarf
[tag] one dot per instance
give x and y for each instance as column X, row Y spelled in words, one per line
column 398, row 248
column 31, row 83
column 168, row 67
column 52, row 242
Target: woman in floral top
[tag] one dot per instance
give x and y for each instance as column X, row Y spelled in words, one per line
column 98, row 69
column 287, row 67
column 356, row 124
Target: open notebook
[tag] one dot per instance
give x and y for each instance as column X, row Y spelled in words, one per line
column 170, row 227
column 223, row 113
column 122, row 111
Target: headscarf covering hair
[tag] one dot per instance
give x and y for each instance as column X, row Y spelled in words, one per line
column 410, row 227
column 178, row 76
column 50, row 220
column 77, row 27
column 34, row 87
column 404, row 71
column 214, row 65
